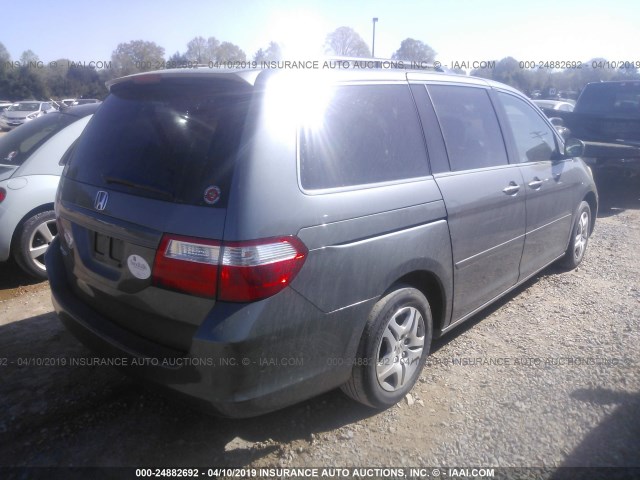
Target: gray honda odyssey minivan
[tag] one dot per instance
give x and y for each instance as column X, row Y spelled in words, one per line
column 253, row 238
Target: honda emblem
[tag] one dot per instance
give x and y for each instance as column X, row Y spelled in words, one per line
column 102, row 198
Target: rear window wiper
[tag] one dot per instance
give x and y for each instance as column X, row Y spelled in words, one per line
column 138, row 186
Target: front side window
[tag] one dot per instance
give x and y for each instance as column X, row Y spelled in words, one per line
column 534, row 139
column 368, row 134
column 469, row 126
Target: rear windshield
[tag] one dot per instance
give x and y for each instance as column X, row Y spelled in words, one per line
column 19, row 144
column 620, row 99
column 173, row 140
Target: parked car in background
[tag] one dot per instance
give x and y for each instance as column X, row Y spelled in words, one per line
column 554, row 105
column 68, row 102
column 551, row 109
column 4, row 104
column 267, row 236
column 86, row 101
column 607, row 118
column 568, row 96
column 29, row 176
column 22, row 112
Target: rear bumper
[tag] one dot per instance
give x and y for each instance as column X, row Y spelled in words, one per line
column 244, row 359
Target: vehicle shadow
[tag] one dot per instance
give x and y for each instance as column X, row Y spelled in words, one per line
column 12, row 276
column 617, row 193
column 58, row 415
column 469, row 324
column 614, row 442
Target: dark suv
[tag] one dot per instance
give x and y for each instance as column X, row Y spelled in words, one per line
column 255, row 238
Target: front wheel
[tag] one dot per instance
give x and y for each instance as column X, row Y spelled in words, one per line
column 31, row 243
column 393, row 349
column 579, row 237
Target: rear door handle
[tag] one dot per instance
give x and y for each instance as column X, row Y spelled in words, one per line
column 512, row 189
column 536, row 183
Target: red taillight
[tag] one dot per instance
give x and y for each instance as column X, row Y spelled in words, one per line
column 3, row 194
column 254, row 270
column 248, row 271
column 188, row 265
column 147, row 78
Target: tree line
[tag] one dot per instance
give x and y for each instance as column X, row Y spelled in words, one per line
column 28, row 77
column 529, row 76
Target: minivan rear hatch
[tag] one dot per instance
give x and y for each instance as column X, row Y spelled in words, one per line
column 151, row 173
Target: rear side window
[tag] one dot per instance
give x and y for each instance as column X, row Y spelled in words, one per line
column 368, row 134
column 469, row 126
column 170, row 140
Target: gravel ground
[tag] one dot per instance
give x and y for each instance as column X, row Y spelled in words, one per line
column 548, row 377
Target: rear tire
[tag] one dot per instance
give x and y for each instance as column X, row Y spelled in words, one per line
column 579, row 238
column 31, row 242
column 393, row 349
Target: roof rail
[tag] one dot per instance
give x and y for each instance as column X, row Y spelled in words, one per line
column 388, row 63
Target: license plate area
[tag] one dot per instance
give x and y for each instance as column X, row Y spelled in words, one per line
column 107, row 249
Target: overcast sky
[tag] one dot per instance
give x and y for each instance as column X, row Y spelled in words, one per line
column 464, row 30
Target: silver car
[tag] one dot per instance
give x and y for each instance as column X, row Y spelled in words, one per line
column 554, row 105
column 22, row 112
column 29, row 176
column 4, row 104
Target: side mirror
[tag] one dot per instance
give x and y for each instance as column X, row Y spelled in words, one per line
column 573, row 148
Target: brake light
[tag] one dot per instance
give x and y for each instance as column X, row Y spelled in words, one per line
column 236, row 271
column 255, row 270
column 187, row 265
column 147, row 78
column 3, row 194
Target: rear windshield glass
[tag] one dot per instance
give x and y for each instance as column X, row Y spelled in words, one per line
column 621, row 99
column 172, row 140
column 19, row 144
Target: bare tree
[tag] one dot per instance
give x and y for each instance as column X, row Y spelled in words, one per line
column 202, row 50
column 136, row 56
column 271, row 53
column 414, row 51
column 345, row 41
column 195, row 49
column 213, row 47
column 28, row 56
column 230, row 52
column 4, row 54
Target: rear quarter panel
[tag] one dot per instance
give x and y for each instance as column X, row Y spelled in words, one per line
column 360, row 240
